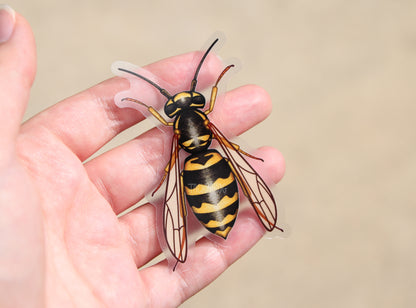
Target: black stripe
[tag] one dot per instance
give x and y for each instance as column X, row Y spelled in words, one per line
column 213, row 197
column 208, row 175
column 218, row 215
column 222, row 228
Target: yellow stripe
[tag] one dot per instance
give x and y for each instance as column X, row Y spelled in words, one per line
column 224, row 233
column 204, row 189
column 216, row 224
column 190, row 166
column 203, row 137
column 196, row 105
column 176, row 126
column 187, row 143
column 175, row 112
column 181, row 95
column 209, row 208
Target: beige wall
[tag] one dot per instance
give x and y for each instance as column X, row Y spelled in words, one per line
column 342, row 78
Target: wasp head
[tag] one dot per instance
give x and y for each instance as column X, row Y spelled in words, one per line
column 182, row 101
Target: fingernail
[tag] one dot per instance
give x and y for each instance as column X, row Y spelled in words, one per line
column 7, row 19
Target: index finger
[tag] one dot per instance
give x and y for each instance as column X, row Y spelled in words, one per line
column 88, row 120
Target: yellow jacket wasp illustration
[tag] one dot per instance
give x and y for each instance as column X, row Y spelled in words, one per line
column 208, row 181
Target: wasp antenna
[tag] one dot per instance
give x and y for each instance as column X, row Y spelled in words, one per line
column 194, row 81
column 162, row 91
column 134, row 101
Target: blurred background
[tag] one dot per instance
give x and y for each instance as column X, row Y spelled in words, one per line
column 342, row 77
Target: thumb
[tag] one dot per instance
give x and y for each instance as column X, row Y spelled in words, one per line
column 17, row 72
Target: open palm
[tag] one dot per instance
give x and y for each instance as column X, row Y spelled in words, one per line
column 61, row 242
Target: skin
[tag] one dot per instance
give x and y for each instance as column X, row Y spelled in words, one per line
column 61, row 241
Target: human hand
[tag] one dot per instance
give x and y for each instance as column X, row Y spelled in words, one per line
column 61, row 242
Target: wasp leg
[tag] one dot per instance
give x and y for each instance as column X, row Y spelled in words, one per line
column 215, row 90
column 236, row 147
column 182, row 192
column 151, row 110
column 167, row 169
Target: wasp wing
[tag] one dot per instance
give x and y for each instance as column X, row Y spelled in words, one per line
column 174, row 210
column 253, row 186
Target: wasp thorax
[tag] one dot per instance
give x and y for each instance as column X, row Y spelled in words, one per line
column 184, row 100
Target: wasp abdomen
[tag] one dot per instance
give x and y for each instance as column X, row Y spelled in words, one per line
column 211, row 190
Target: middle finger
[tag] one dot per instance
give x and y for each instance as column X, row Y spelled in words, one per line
column 90, row 119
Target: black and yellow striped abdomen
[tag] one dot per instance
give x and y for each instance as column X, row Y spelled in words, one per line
column 211, row 190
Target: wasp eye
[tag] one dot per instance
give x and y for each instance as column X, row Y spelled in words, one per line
column 198, row 101
column 171, row 108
